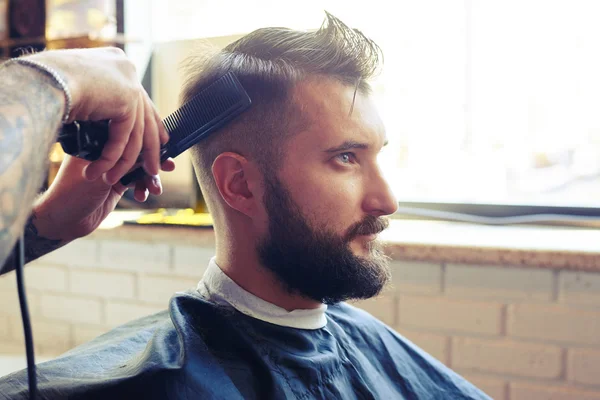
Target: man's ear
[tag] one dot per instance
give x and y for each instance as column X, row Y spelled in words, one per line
column 237, row 181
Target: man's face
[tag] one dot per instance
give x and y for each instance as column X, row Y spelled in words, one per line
column 328, row 198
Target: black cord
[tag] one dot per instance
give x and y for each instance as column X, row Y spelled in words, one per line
column 20, row 260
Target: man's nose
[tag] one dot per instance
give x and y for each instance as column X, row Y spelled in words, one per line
column 379, row 199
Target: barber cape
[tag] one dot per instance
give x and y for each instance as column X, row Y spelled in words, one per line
column 221, row 342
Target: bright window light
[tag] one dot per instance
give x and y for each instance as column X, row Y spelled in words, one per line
column 484, row 101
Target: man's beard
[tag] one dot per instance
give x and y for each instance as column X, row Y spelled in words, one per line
column 316, row 263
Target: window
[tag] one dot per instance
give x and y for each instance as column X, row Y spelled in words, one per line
column 484, row 101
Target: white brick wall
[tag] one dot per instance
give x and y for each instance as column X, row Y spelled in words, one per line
column 498, row 282
column 15, row 327
column 525, row 391
column 445, row 314
column 46, row 277
column 159, row 289
column 554, row 322
column 580, row 288
column 50, row 337
column 12, row 348
column 8, row 282
column 416, row 277
column 496, row 388
column 517, row 333
column 120, row 312
column 507, row 357
column 53, row 337
column 4, row 327
column 382, row 307
column 84, row 333
column 434, row 344
column 191, row 261
column 133, row 256
column 107, row 284
column 9, row 300
column 70, row 308
column 79, row 252
column 584, row 366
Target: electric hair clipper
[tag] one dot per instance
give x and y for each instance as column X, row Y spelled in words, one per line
column 211, row 109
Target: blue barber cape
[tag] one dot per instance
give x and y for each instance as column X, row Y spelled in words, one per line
column 199, row 350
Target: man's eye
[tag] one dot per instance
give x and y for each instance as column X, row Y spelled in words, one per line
column 347, row 158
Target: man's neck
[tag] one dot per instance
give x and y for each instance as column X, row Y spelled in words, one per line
column 241, row 264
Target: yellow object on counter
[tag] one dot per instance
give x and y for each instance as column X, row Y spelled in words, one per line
column 185, row 217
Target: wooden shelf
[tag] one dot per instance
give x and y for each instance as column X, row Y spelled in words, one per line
column 68, row 42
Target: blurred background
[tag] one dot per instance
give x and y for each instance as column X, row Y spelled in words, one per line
column 484, row 101
column 491, row 108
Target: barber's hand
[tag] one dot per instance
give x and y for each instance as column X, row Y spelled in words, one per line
column 73, row 207
column 104, row 85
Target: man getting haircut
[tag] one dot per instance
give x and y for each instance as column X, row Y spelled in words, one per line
column 297, row 198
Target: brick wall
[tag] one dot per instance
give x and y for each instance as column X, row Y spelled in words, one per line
column 517, row 333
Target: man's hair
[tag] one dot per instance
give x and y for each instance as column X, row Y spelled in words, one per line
column 269, row 62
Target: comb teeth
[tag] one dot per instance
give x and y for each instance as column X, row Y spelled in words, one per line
column 209, row 110
column 221, row 97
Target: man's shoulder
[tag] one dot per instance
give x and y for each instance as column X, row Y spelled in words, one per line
column 365, row 330
column 395, row 355
column 150, row 358
column 106, row 361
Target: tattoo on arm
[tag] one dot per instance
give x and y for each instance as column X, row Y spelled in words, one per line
column 35, row 245
column 31, row 107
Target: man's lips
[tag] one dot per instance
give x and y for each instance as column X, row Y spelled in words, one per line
column 370, row 236
column 369, row 230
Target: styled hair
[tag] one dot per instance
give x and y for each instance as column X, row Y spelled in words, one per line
column 269, row 62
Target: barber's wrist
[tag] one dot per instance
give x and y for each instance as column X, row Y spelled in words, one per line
column 36, row 77
column 46, row 226
column 63, row 62
column 36, row 242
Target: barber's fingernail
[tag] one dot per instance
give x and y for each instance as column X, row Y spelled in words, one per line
column 140, row 196
column 156, row 182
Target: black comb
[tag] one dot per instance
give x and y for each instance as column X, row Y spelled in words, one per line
column 209, row 110
column 212, row 108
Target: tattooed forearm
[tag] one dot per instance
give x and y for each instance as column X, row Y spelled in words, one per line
column 35, row 245
column 31, row 107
